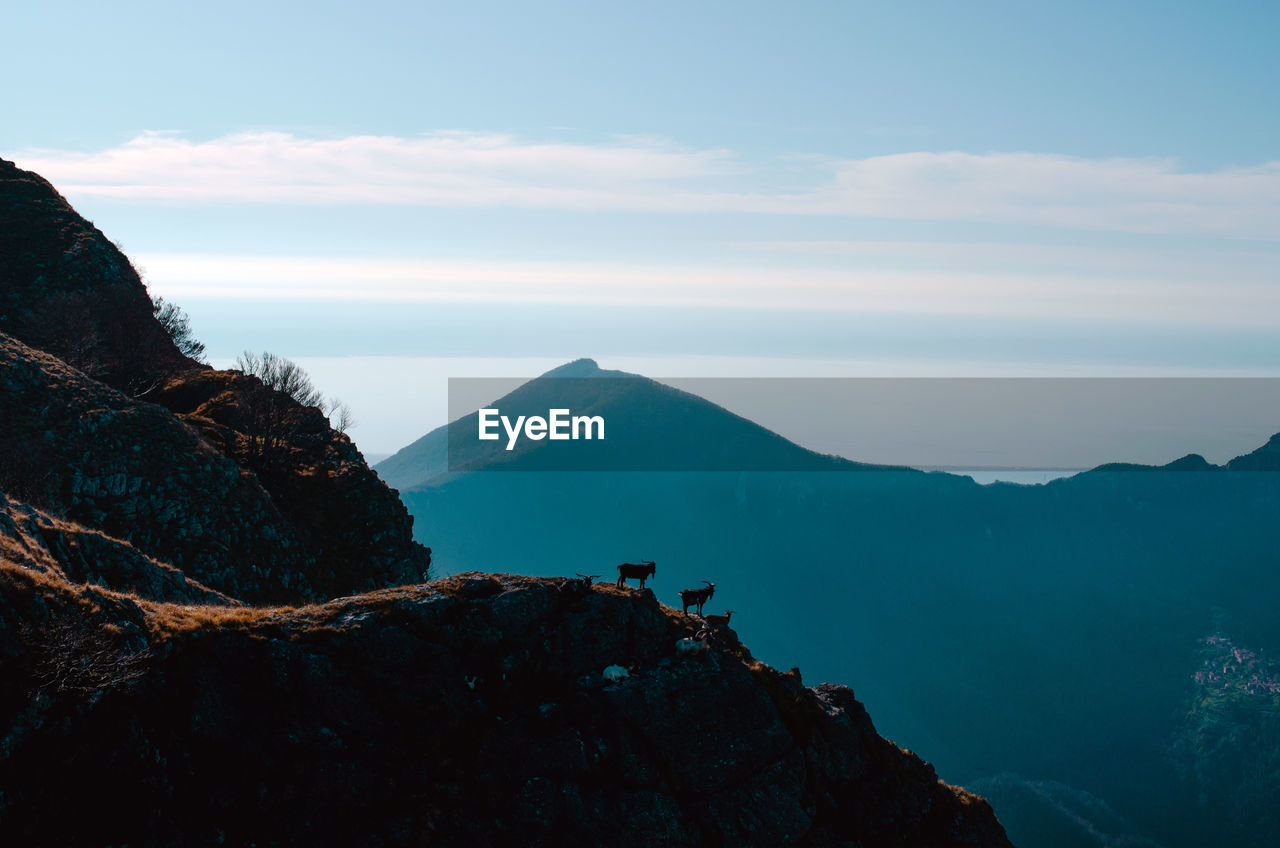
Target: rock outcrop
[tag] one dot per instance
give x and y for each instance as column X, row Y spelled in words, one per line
column 356, row 532
column 65, row 288
column 67, row 551
column 470, row 711
column 137, row 472
column 134, row 471
column 307, row 522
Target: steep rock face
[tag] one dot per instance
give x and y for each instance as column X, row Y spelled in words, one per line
column 329, row 525
column 68, row 551
column 356, row 529
column 469, row 711
column 66, row 289
column 136, row 472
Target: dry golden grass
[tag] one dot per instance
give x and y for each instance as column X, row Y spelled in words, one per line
column 55, row 592
column 169, row 621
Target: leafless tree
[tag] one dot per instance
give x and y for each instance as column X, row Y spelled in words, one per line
column 341, row 418
column 282, row 375
column 178, row 325
column 270, row 414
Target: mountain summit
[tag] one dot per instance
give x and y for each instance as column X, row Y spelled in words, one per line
column 648, row 426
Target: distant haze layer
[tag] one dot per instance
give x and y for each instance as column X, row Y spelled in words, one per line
column 895, row 412
column 972, row 423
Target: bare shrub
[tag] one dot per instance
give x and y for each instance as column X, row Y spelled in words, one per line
column 341, row 418
column 83, row 658
column 282, row 375
column 271, row 420
column 177, row 324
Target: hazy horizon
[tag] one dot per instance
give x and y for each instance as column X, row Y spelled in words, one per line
column 916, row 414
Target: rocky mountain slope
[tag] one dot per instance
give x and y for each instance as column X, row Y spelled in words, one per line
column 70, row 552
column 470, row 711
column 146, row 501
column 136, row 472
column 67, row 289
column 147, row 445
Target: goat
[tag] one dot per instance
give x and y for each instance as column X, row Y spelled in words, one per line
column 697, row 597
column 631, row 571
column 586, row 579
column 719, row 620
column 692, row 647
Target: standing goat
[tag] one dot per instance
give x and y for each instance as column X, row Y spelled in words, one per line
column 641, row 572
column 697, row 597
column 719, row 620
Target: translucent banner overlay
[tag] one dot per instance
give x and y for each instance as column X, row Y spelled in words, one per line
column 1060, row 425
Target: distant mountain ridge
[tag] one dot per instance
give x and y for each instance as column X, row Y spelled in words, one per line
column 655, row 427
column 649, row 427
column 1049, row 631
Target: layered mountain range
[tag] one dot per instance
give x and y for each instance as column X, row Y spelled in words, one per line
column 216, row 628
column 1044, row 643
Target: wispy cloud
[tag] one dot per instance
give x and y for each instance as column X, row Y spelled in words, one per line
column 1136, row 195
column 479, row 169
column 1197, row 261
column 436, row 169
column 190, row 276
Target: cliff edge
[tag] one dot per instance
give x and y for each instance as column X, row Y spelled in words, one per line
column 473, row 710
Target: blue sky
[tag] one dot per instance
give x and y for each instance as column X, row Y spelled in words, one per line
column 911, row 187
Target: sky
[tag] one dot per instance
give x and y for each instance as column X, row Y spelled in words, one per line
column 400, row 192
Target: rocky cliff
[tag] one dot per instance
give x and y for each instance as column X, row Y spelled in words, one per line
column 471, row 711
column 67, row 289
column 72, row 553
column 354, row 532
column 133, row 470
column 101, row 418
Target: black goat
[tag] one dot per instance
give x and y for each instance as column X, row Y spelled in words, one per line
column 641, row 572
column 719, row 620
column 587, row 579
column 697, row 597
